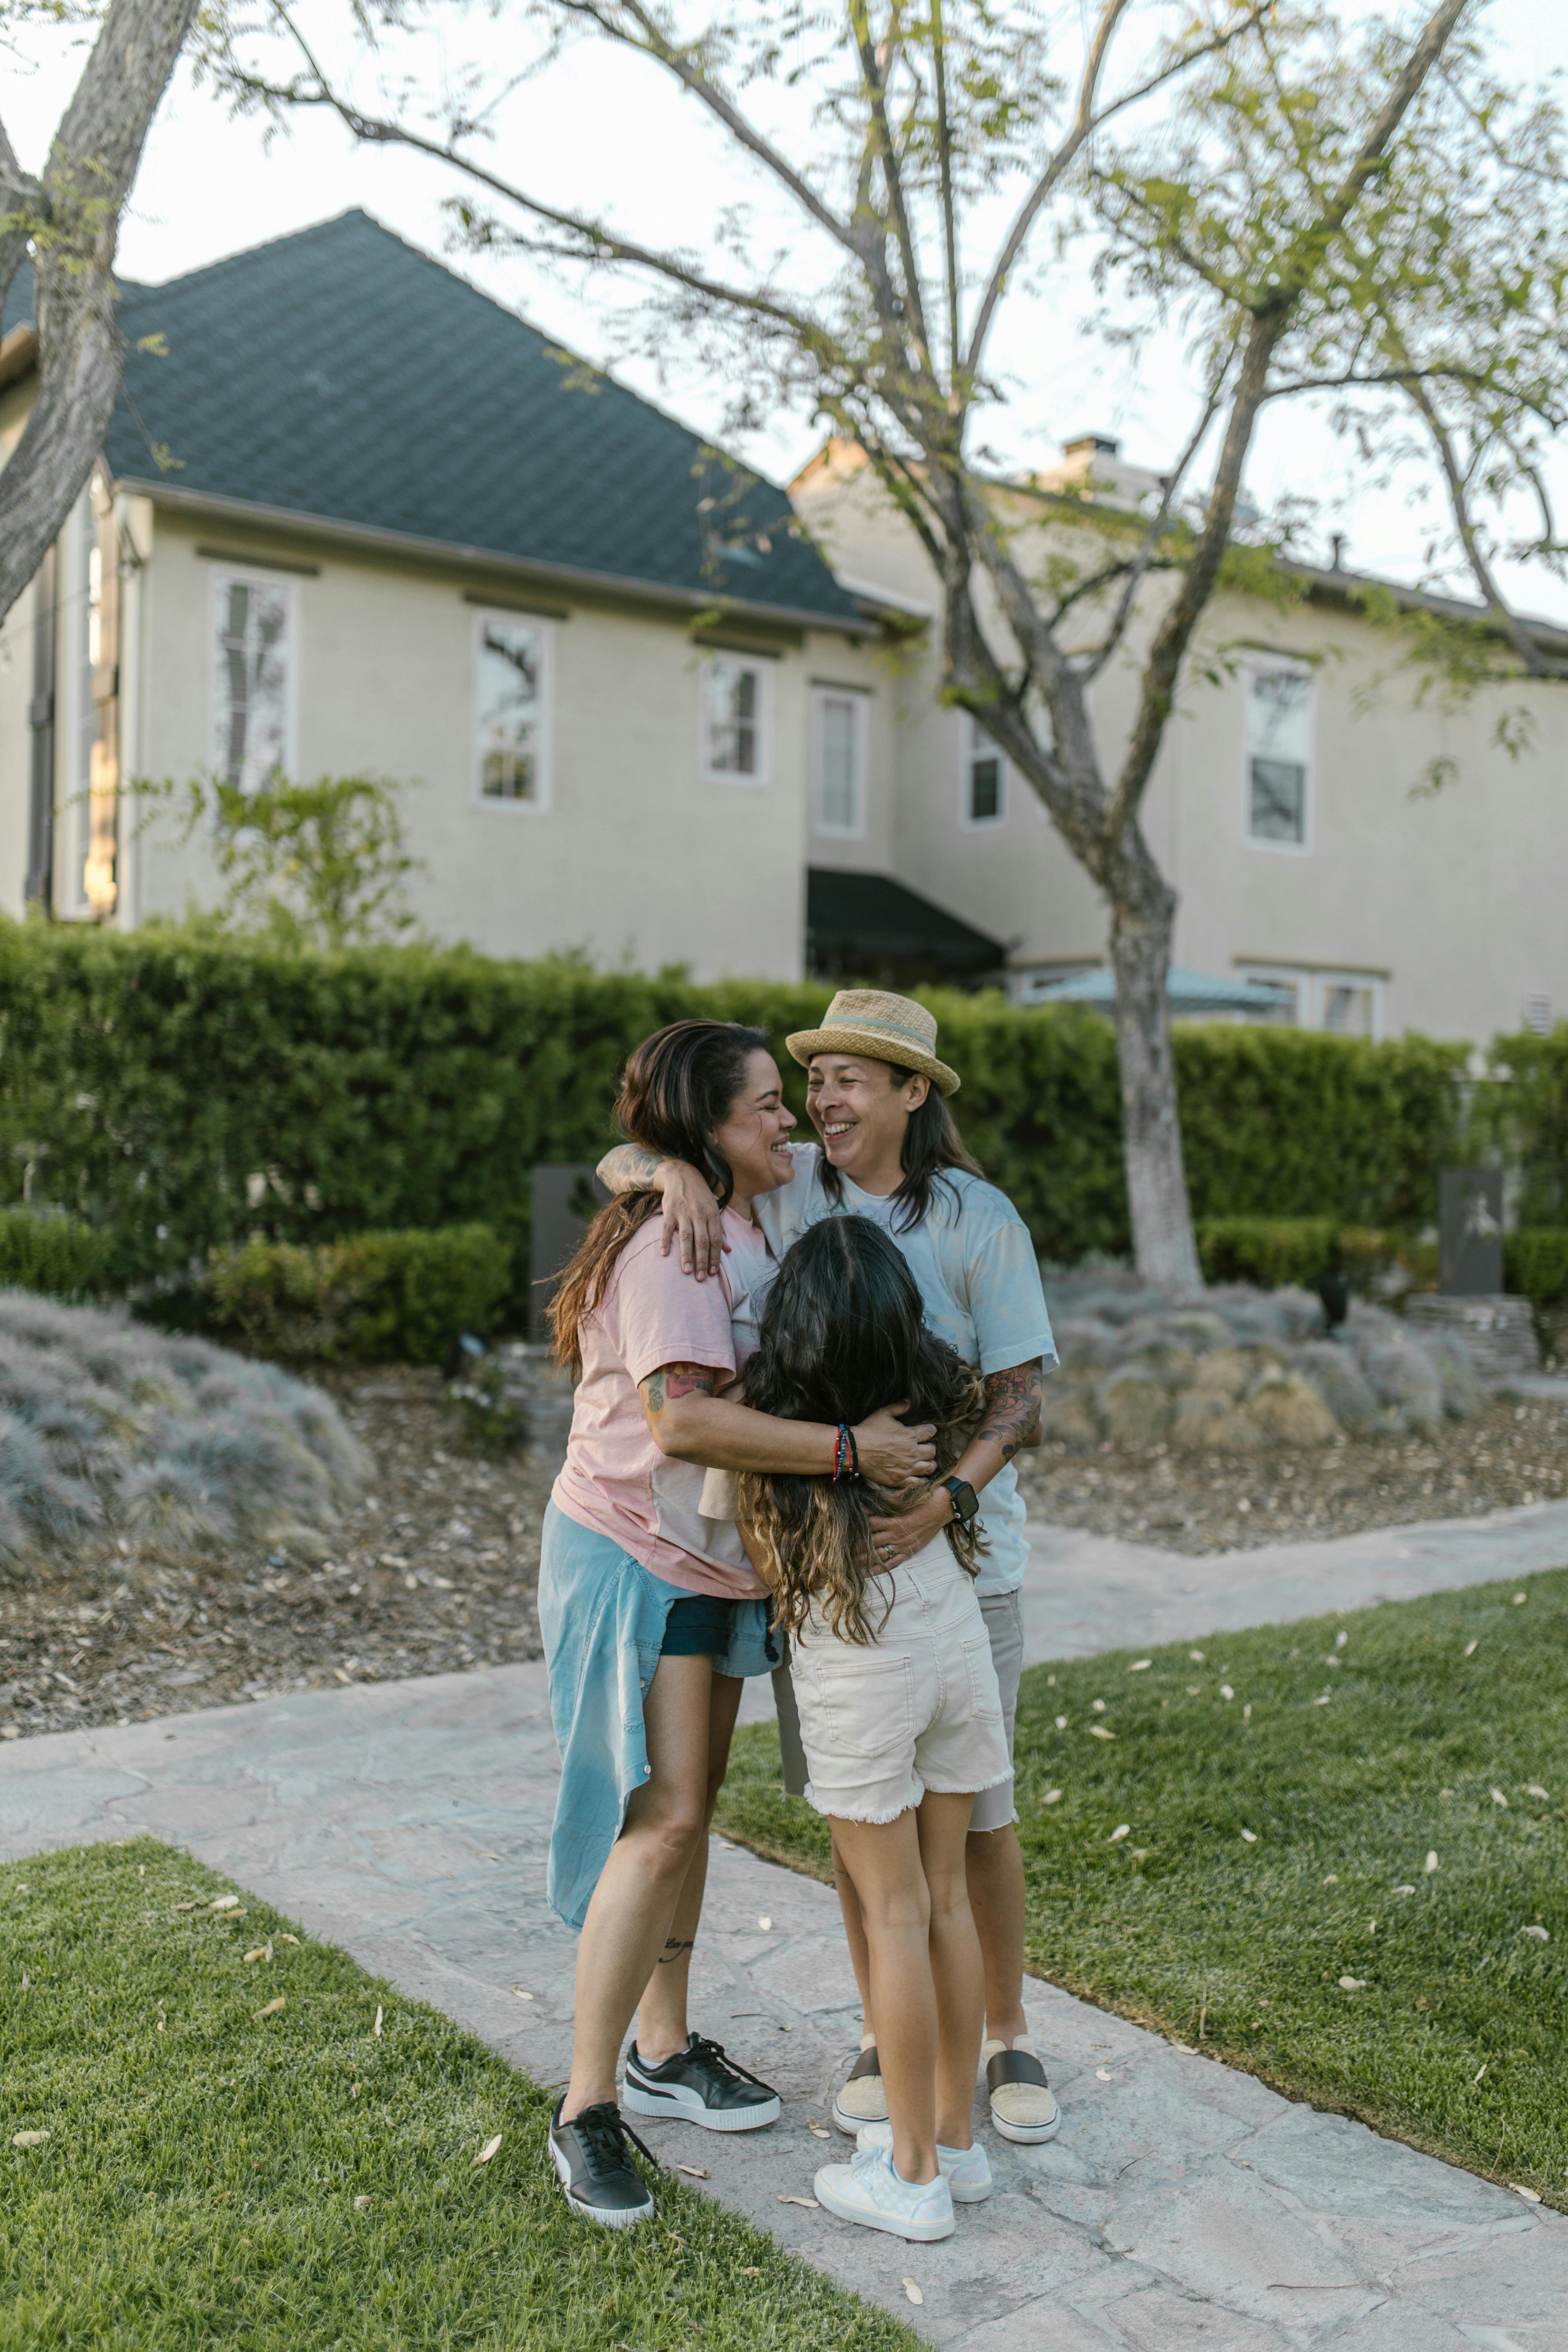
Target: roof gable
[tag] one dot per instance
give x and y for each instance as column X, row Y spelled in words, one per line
column 340, row 375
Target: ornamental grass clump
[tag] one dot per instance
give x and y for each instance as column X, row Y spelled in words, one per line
column 109, row 1427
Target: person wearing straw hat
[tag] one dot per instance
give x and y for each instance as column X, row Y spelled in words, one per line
column 878, row 1096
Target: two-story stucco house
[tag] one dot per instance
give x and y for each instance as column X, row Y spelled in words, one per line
column 354, row 516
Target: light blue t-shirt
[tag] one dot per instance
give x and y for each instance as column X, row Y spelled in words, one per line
column 979, row 1281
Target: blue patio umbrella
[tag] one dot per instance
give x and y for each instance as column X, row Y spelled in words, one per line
column 1187, row 992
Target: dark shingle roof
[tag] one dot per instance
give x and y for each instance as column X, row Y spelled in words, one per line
column 342, row 375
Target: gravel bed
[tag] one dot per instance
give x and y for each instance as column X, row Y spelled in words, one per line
column 1506, row 1456
column 435, row 1571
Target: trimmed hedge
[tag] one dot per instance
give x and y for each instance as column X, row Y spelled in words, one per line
column 60, row 1257
column 1270, row 1251
column 1536, row 1265
column 1523, row 1110
column 374, row 1297
column 181, row 1092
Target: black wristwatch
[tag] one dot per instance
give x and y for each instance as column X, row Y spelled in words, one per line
column 965, row 1501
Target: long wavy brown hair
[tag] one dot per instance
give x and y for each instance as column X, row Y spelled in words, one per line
column 678, row 1089
column 841, row 1335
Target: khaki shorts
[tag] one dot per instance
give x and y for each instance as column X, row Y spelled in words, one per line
column 994, row 1808
column 918, row 1708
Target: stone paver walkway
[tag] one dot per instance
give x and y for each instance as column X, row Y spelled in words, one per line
column 1183, row 2206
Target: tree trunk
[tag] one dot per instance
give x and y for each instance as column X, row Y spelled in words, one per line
column 91, row 166
column 1163, row 1247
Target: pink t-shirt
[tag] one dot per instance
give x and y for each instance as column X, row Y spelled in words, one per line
column 615, row 1479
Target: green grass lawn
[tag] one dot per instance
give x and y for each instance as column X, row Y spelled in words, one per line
column 300, row 2180
column 1258, row 1827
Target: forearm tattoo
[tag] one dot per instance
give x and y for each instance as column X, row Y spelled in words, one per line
column 672, row 1381
column 673, row 1948
column 627, row 1168
column 1012, row 1406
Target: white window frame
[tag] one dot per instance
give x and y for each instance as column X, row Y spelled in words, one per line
column 763, row 723
column 223, row 577
column 857, row 699
column 1312, row 982
column 1265, row 665
column 973, row 740
column 494, row 804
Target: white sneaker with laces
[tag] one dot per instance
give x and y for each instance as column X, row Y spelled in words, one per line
column 867, row 2189
column 965, row 2169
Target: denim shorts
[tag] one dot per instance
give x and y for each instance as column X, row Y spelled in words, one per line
column 699, row 1626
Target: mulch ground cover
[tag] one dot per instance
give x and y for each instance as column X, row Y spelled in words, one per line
column 1508, row 1454
column 1334, row 1853
column 215, row 2131
column 434, row 1573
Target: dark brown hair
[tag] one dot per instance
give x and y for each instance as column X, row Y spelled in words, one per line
column 932, row 1144
column 678, row 1088
column 842, row 1335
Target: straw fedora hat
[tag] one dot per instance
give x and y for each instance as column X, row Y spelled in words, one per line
column 881, row 1028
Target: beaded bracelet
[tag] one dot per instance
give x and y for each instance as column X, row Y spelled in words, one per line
column 846, row 1455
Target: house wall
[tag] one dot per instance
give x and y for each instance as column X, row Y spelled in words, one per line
column 1450, row 903
column 637, row 857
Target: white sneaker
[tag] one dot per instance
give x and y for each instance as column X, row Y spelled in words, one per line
column 965, row 2170
column 867, row 2190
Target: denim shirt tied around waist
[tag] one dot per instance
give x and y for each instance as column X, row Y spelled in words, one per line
column 602, row 1615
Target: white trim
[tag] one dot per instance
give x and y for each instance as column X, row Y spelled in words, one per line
column 543, row 632
column 1258, row 663
column 973, row 740
column 1312, row 982
column 221, row 576
column 762, row 722
column 857, row 699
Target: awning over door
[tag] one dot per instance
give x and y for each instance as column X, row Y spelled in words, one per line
column 866, row 925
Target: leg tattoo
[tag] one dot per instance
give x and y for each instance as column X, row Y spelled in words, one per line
column 673, row 1948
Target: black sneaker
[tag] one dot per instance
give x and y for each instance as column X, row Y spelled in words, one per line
column 699, row 2085
column 594, row 2165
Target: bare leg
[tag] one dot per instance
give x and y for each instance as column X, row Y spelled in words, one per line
column 925, row 1969
column 994, row 1863
column 854, row 1929
column 662, row 2027
column 634, row 1902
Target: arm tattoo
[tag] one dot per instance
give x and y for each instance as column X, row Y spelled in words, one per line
column 674, row 1381
column 627, row 1168
column 1012, row 1406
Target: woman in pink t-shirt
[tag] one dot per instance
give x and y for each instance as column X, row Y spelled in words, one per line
column 651, row 1614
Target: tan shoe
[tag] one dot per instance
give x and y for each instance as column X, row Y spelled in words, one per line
column 1021, row 2106
column 861, row 2098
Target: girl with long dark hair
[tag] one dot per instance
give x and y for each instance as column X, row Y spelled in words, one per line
column 651, row 1610
column 901, row 1713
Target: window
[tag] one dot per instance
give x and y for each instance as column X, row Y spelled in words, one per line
column 1537, row 1015
column 1278, row 752
column 984, row 776
column 511, row 748
column 838, row 721
column 255, row 632
column 734, row 721
column 1347, row 1004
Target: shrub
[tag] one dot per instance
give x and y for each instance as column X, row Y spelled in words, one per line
column 1273, row 1252
column 183, row 1090
column 1536, row 1265
column 105, row 1425
column 1522, row 1109
column 376, row 1295
column 59, row 1257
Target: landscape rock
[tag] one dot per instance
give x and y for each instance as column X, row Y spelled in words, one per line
column 1134, row 1408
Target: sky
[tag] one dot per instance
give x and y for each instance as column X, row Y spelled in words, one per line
column 605, row 132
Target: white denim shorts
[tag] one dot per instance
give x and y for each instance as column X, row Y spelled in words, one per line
column 918, row 1708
